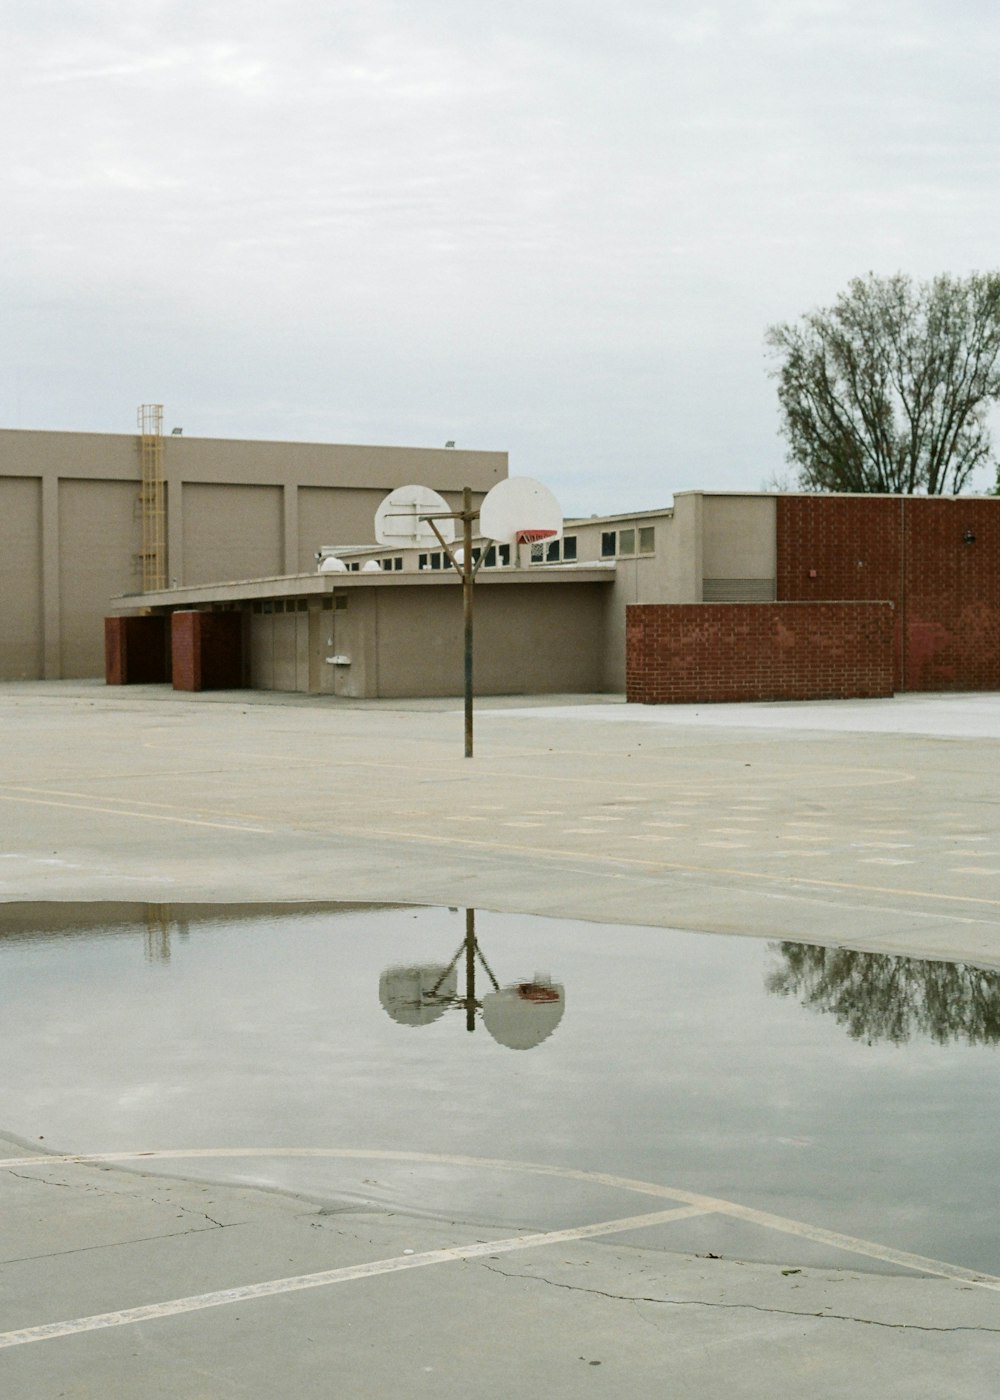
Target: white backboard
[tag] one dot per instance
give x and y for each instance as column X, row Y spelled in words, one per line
column 398, row 522
column 519, row 508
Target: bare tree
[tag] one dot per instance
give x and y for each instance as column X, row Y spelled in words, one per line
column 888, row 390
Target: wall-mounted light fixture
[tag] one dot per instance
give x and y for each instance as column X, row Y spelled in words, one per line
column 968, row 537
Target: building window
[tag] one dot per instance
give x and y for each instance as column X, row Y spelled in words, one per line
column 326, row 604
column 340, row 601
column 569, row 549
column 620, row 543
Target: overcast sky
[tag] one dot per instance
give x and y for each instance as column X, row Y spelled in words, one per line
column 555, row 227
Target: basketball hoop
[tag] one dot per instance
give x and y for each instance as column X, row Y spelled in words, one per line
column 533, row 536
column 520, row 498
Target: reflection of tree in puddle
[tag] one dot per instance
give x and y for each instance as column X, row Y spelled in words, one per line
column 877, row 996
column 519, row 1016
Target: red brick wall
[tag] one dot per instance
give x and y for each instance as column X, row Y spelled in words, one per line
column 707, row 652
column 207, row 650
column 135, row 650
column 909, row 550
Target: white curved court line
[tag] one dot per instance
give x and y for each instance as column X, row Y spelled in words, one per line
column 851, row 1244
column 151, row 1312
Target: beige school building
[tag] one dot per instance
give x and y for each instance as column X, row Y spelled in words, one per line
column 245, row 522
column 71, row 523
column 549, row 617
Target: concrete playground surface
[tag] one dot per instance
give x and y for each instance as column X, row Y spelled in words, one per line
column 872, row 825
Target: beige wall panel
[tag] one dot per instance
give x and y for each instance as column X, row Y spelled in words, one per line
column 329, row 516
column 109, row 456
column 285, row 652
column 372, row 468
column 552, row 641
column 100, row 536
column 21, row 653
column 529, row 639
column 684, row 560
column 92, row 456
column 419, row 641
column 232, row 533
column 739, row 536
column 326, row 645
column 302, row 652
column 261, row 651
column 356, row 636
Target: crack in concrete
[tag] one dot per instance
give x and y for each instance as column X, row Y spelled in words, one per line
column 188, row 1210
column 112, row 1244
column 165, row 1205
column 749, row 1307
column 23, row 1176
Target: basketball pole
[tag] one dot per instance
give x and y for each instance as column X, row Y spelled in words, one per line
column 467, row 578
column 468, row 570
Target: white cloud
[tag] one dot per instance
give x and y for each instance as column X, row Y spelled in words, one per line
column 558, row 228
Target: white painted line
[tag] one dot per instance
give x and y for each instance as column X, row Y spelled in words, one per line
column 152, row 1312
column 919, row 1263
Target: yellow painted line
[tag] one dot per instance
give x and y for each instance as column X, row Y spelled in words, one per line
column 153, row 1312
column 487, row 766
column 126, row 812
column 555, row 853
column 47, row 792
column 703, row 1204
column 558, row 854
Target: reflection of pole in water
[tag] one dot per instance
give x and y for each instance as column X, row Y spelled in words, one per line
column 470, row 969
column 158, row 933
column 473, row 951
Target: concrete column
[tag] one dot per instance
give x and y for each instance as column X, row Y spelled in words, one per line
column 51, row 601
column 175, row 529
column 291, row 519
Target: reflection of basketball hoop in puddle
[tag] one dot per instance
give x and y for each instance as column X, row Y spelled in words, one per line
column 537, row 991
column 520, row 1016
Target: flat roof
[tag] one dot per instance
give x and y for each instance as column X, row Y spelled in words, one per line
column 319, row 585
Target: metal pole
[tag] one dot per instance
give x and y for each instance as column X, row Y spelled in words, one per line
column 467, row 577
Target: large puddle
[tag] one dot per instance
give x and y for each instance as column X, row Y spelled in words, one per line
column 853, row 1091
